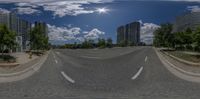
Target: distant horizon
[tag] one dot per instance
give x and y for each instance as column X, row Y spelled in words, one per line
column 74, row 21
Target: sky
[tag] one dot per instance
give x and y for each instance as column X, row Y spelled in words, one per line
column 72, row 21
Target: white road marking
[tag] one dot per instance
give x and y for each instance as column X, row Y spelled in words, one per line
column 137, row 74
column 67, row 77
column 58, row 52
column 55, row 58
column 53, row 55
column 146, row 58
column 56, row 61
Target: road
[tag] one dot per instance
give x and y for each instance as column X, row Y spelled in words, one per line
column 117, row 73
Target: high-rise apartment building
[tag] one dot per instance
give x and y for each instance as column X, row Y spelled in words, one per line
column 188, row 20
column 24, row 28
column 4, row 18
column 21, row 27
column 130, row 33
column 120, row 34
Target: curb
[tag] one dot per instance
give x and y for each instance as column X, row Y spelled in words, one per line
column 24, row 73
column 181, row 60
column 175, row 67
column 9, row 64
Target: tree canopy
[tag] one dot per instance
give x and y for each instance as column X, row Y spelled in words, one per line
column 38, row 39
column 7, row 38
column 187, row 40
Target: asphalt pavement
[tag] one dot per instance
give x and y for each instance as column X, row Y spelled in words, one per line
column 117, row 73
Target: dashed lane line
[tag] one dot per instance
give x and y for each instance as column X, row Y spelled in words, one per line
column 67, row 77
column 146, row 58
column 137, row 74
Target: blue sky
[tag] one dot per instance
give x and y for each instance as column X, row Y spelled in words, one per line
column 75, row 20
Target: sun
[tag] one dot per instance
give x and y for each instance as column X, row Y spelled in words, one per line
column 102, row 10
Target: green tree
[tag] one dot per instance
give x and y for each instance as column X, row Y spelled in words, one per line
column 196, row 39
column 101, row 43
column 183, row 39
column 131, row 43
column 179, row 41
column 7, row 38
column 163, row 36
column 109, row 43
column 87, row 44
column 38, row 39
column 188, row 37
column 123, row 43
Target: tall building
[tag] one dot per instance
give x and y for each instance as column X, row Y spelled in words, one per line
column 24, row 28
column 43, row 27
column 120, row 34
column 19, row 26
column 189, row 20
column 130, row 33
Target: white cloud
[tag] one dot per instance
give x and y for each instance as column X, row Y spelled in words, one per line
column 26, row 10
column 90, row 1
column 59, row 8
column 62, row 33
column 147, row 30
column 72, row 34
column 185, row 0
column 32, row 5
column 39, row 1
column 4, row 10
column 94, row 34
column 98, row 1
column 63, row 8
column 194, row 8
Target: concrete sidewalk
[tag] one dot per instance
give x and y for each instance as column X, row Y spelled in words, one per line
column 24, row 70
column 181, row 70
column 183, row 64
column 22, row 59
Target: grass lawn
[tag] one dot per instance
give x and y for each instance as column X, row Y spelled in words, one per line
column 186, row 56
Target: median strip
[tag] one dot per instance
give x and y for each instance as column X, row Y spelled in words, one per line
column 138, row 73
column 67, row 77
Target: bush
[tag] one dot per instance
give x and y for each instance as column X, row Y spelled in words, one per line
column 7, row 58
column 179, row 47
column 189, row 47
column 197, row 48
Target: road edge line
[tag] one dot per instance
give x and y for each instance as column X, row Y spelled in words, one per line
column 178, row 72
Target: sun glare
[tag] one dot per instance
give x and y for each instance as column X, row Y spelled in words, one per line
column 102, row 10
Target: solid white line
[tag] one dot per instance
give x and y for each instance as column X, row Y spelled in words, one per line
column 67, row 77
column 137, row 74
column 146, row 58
